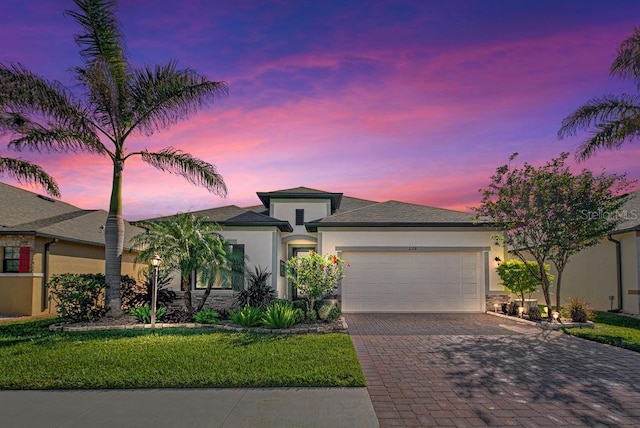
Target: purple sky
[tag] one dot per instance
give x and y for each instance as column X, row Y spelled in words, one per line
column 416, row 101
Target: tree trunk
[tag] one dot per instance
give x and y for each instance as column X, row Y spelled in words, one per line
column 545, row 288
column 205, row 296
column 558, row 283
column 114, row 243
column 186, row 288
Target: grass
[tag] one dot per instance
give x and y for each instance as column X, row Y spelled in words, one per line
column 612, row 329
column 31, row 357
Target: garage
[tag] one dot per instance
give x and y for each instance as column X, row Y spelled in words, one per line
column 413, row 281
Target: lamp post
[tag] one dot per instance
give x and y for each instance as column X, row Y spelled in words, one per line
column 155, row 261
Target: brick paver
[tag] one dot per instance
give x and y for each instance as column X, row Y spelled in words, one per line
column 467, row 370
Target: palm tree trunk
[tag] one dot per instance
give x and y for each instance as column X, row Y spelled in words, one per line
column 186, row 288
column 114, row 243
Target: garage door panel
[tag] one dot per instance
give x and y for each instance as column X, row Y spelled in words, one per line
column 413, row 282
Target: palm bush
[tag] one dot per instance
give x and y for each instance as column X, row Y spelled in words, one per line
column 258, row 293
column 247, row 316
column 207, row 316
column 143, row 313
column 279, row 315
column 579, row 310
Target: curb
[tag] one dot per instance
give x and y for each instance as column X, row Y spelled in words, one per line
column 341, row 328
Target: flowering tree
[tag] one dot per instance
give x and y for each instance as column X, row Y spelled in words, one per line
column 315, row 275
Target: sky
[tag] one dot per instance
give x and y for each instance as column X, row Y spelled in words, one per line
column 411, row 100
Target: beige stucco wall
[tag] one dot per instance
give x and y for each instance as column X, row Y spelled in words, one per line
column 21, row 294
column 592, row 275
column 314, row 209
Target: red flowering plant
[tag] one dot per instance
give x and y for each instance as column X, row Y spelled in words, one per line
column 315, row 275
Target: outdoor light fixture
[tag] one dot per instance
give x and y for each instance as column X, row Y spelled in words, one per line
column 520, row 311
column 555, row 315
column 495, row 307
column 155, row 262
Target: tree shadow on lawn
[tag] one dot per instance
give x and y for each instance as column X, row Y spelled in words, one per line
column 544, row 368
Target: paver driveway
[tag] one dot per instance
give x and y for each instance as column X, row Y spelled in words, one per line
column 478, row 370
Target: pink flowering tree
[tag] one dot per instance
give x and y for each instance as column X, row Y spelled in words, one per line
column 315, row 275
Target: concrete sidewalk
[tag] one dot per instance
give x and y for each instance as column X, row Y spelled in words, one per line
column 268, row 407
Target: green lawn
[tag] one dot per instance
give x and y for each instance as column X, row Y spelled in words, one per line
column 613, row 329
column 31, row 357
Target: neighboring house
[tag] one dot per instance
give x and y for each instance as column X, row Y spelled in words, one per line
column 607, row 275
column 402, row 257
column 41, row 237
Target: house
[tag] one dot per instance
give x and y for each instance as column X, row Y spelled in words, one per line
column 41, row 237
column 607, row 275
column 402, row 257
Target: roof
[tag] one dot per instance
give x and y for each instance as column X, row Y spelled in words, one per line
column 630, row 213
column 301, row 193
column 233, row 215
column 27, row 213
column 396, row 214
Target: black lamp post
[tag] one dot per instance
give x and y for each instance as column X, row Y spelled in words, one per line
column 155, row 262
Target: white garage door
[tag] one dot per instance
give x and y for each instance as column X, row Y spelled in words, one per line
column 413, row 282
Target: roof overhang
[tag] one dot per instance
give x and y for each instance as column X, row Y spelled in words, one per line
column 335, row 198
column 313, row 226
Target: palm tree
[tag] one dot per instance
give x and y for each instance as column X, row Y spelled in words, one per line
column 615, row 120
column 117, row 100
column 27, row 172
column 186, row 243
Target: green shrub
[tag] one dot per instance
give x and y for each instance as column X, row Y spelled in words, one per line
column 279, row 315
column 136, row 294
column 322, row 308
column 579, row 310
column 311, row 317
column 207, row 316
column 512, row 309
column 299, row 314
column 334, row 314
column 143, row 313
column 79, row 297
column 285, row 302
column 302, row 304
column 534, row 314
column 247, row 316
column 258, row 293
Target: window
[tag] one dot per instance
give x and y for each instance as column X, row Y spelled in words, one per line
column 299, row 217
column 16, row 259
column 233, row 279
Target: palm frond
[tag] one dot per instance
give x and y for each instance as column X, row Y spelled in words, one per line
column 627, row 62
column 599, row 111
column 30, row 105
column 165, row 94
column 611, row 135
column 27, row 172
column 194, row 170
column 101, row 37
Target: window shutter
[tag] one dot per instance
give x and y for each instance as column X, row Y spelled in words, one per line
column 25, row 260
column 299, row 217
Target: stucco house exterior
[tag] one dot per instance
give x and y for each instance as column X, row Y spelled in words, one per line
column 607, row 275
column 402, row 257
column 41, row 237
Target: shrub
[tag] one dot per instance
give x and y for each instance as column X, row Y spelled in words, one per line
column 178, row 315
column 579, row 310
column 334, row 314
column 534, row 314
column 322, row 308
column 143, row 313
column 258, row 293
column 279, row 315
column 512, row 309
column 207, row 316
column 520, row 277
column 311, row 317
column 136, row 294
column 79, row 297
column 247, row 316
column 315, row 275
column 302, row 304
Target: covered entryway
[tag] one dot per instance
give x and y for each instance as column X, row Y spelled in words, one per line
column 420, row 280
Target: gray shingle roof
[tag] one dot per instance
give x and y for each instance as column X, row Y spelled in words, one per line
column 44, row 216
column 631, row 213
column 301, row 193
column 394, row 213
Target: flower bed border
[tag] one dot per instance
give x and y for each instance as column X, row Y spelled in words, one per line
column 543, row 324
column 339, row 327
